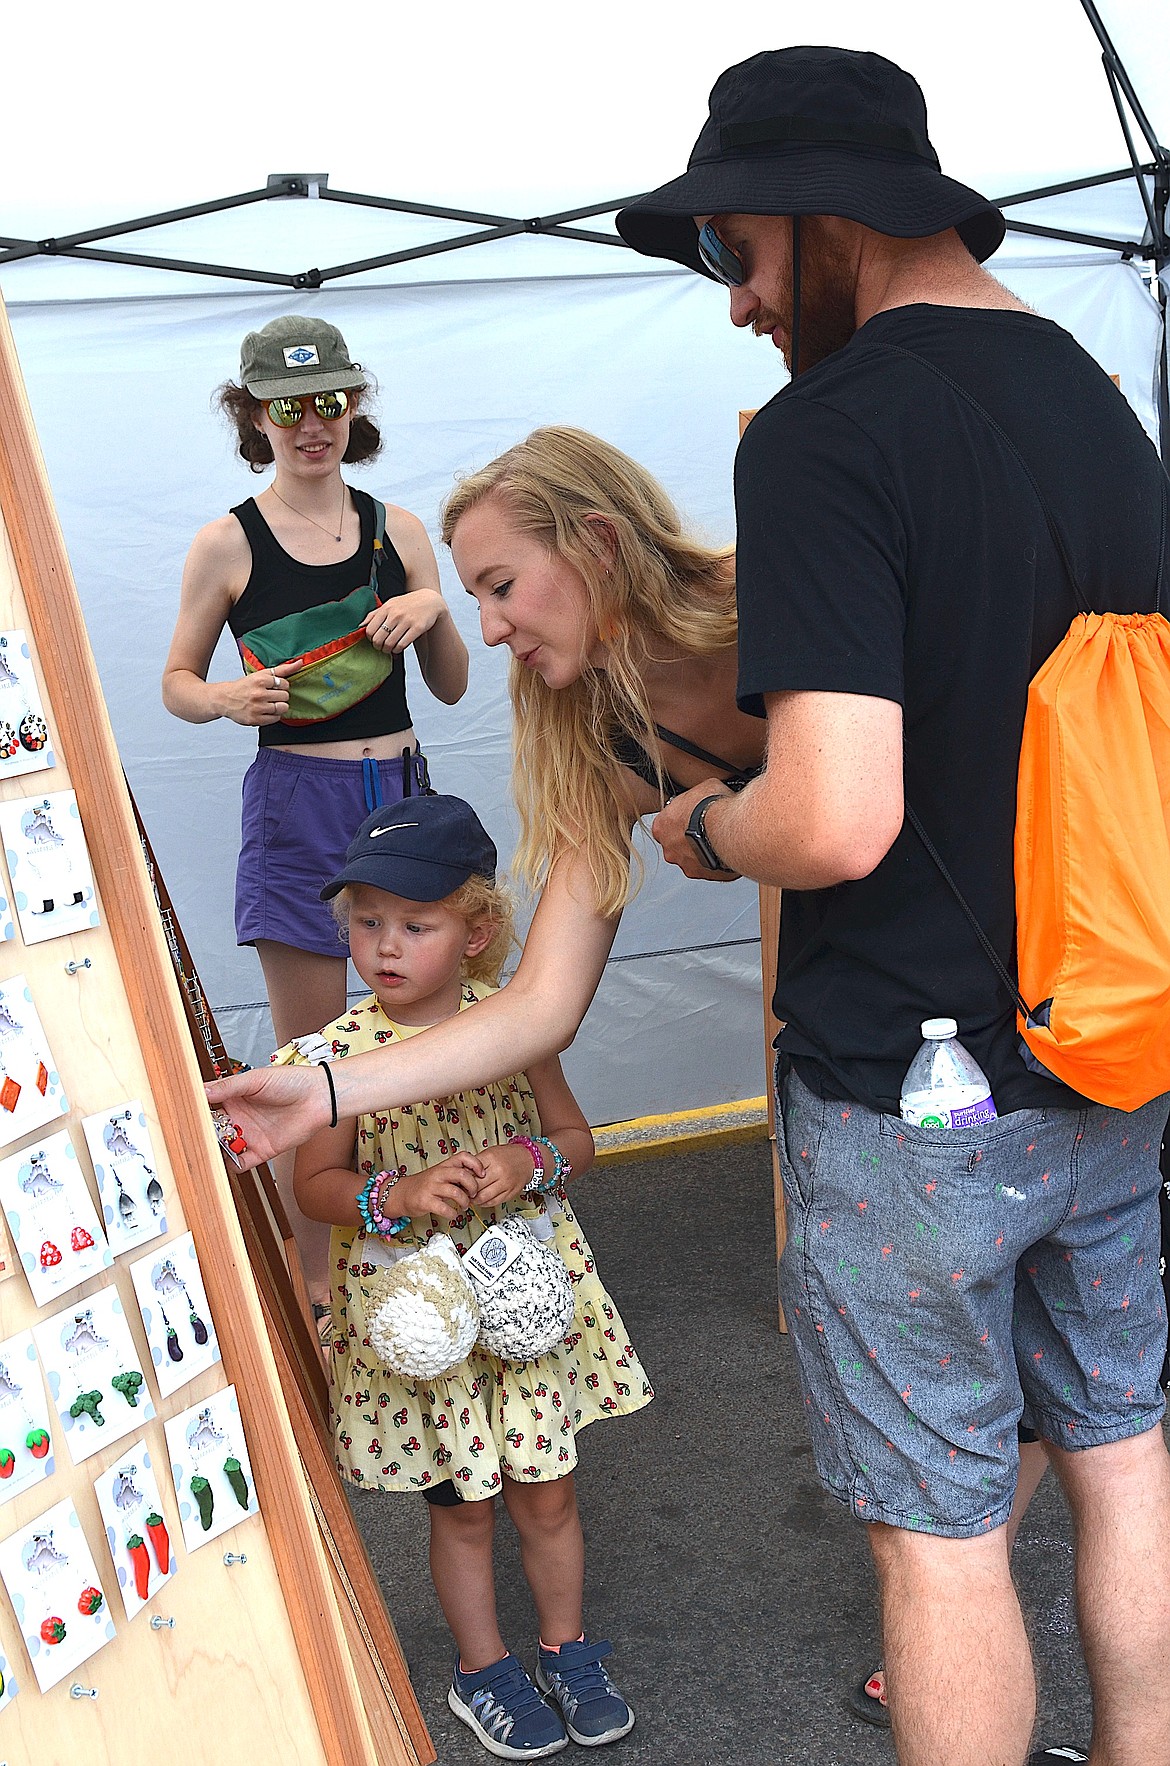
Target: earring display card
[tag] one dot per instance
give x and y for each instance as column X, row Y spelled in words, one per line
column 52, row 1218
column 7, row 923
column 96, row 1385
column 211, row 1469
column 52, row 1582
column 31, row 1093
column 8, row 1683
column 173, row 1302
column 136, row 1529
column 134, row 1203
column 24, row 734
column 52, row 883
column 26, row 1440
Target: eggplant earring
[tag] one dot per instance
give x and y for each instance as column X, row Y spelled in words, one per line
column 174, row 1347
column 198, row 1328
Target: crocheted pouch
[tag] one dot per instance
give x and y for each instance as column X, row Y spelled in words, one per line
column 523, row 1288
column 421, row 1313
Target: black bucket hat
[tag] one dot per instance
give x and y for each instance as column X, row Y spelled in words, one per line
column 813, row 131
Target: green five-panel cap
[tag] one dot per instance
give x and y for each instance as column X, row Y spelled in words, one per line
column 294, row 355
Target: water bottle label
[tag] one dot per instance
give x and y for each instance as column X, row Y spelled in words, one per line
column 926, row 1112
column 970, row 1114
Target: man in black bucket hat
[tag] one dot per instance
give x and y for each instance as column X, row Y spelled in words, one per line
column 900, row 580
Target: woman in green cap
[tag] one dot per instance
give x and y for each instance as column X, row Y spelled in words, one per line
column 324, row 589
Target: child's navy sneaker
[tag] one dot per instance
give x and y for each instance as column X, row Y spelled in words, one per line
column 504, row 1709
column 594, row 1710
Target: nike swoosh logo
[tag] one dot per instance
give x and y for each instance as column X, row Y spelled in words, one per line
column 374, row 832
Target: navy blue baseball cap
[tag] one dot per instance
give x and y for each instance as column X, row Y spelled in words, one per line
column 423, row 849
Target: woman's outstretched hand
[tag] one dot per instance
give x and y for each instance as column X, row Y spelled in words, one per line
column 272, row 1108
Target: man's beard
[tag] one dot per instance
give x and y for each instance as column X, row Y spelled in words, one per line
column 827, row 300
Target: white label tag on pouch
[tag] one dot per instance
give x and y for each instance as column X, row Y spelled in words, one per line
column 492, row 1254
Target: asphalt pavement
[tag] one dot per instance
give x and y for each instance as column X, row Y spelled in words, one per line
column 738, row 1597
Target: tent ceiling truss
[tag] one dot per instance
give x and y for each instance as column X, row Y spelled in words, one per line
column 1153, row 246
column 1151, row 177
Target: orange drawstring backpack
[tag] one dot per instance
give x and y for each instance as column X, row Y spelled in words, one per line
column 1092, row 849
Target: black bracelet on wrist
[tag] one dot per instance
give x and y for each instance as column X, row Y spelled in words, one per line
column 324, row 1066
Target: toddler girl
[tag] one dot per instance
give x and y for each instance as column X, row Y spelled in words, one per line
column 428, row 930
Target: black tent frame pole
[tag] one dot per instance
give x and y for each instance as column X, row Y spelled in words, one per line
column 1115, row 67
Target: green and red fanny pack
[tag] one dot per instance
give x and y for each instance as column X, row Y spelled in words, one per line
column 340, row 665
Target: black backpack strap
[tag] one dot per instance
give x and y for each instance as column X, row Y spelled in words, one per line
column 1030, row 1018
column 1037, row 1015
column 1005, row 438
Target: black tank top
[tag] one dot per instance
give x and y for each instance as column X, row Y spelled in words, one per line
column 279, row 585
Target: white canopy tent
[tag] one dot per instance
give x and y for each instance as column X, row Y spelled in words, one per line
column 472, row 348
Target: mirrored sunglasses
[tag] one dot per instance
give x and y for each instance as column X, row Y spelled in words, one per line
column 720, row 259
column 287, row 413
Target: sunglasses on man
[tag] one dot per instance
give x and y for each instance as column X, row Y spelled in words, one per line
column 722, row 262
column 286, row 413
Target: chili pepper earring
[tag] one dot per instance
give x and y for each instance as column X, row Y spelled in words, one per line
column 205, row 1500
column 174, row 1347
column 234, row 1473
column 9, row 1091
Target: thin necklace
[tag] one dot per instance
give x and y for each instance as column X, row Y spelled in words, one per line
column 304, row 517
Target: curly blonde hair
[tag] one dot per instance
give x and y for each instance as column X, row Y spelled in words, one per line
column 650, row 587
column 479, row 899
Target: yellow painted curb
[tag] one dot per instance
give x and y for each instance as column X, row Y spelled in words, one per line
column 682, row 1131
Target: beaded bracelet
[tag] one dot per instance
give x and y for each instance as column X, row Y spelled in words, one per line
column 538, row 1183
column 523, row 1140
column 561, row 1167
column 369, row 1201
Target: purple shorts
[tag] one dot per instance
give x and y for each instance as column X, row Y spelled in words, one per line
column 299, row 814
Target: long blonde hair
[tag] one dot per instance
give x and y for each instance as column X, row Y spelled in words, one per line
column 647, row 584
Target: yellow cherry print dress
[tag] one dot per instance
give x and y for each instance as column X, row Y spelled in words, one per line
column 486, row 1419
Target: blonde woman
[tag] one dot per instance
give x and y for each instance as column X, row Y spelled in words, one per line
column 622, row 632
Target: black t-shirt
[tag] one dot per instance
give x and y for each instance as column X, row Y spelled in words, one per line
column 891, row 545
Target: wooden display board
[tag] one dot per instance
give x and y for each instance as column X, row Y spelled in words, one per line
column 270, row 1655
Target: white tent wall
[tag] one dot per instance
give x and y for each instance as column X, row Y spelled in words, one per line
column 120, row 390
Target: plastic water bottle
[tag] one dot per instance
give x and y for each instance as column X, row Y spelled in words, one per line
column 945, row 1087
